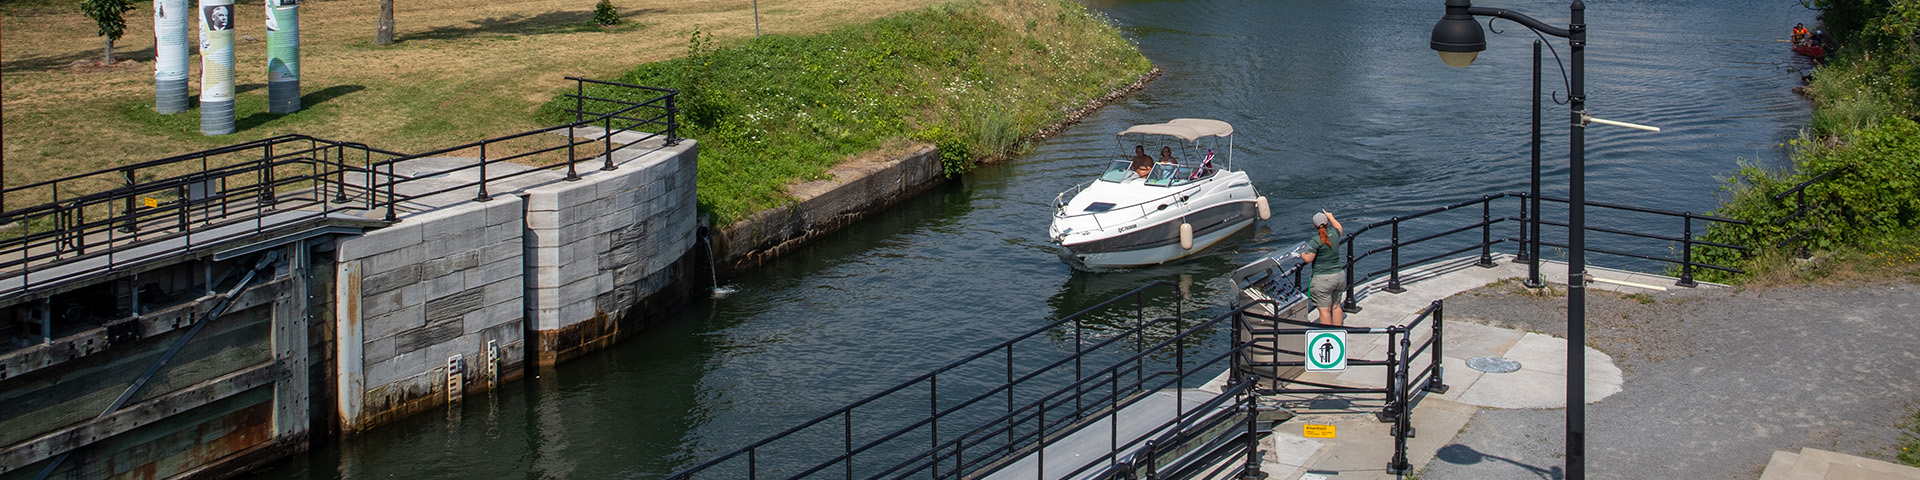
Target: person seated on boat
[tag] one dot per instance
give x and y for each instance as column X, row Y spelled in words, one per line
column 1166, row 155
column 1799, row 34
column 1818, row 39
column 1142, row 163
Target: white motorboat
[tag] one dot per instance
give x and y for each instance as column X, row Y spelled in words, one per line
column 1183, row 204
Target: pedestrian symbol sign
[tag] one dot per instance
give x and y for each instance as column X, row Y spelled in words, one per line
column 1326, row 350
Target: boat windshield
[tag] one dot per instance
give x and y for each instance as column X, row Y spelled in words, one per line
column 1168, row 174
column 1117, row 171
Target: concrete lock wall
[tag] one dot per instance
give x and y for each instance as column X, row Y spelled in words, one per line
column 414, row 295
column 607, row 253
column 853, row 191
column 546, row 273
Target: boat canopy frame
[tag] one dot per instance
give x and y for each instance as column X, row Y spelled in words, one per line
column 1192, row 132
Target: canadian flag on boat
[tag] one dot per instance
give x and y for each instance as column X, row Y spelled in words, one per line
column 1206, row 164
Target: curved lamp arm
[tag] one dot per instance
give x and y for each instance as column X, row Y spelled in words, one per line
column 1527, row 21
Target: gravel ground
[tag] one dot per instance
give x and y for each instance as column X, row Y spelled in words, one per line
column 1716, row 380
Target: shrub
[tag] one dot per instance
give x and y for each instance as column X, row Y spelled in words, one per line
column 605, row 14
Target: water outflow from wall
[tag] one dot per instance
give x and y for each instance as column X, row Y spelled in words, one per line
column 713, row 271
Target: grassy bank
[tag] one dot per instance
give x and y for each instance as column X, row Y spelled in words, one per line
column 459, row 71
column 971, row 76
column 1863, row 220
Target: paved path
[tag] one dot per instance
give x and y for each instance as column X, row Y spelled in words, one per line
column 1362, row 446
column 1709, row 383
column 1716, row 381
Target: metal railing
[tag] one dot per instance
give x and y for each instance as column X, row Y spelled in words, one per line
column 1440, row 239
column 1401, row 382
column 109, row 213
column 990, row 427
column 120, row 217
column 1685, row 240
column 614, row 116
column 1799, row 194
column 1124, row 211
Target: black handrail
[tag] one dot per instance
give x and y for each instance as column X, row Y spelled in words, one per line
column 1799, row 194
column 1530, row 243
column 1686, row 240
column 1006, row 346
column 230, row 187
column 1397, row 395
column 106, row 213
column 1061, row 406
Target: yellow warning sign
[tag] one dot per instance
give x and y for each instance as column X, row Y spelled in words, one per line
column 151, row 202
column 1316, row 431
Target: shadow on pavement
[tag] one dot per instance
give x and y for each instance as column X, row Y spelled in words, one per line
column 1464, row 455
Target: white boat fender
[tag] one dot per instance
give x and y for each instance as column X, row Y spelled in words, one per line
column 1186, row 235
column 1261, row 201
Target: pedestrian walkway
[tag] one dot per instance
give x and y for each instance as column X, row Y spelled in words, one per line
column 1361, row 445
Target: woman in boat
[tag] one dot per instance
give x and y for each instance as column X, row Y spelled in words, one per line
column 1166, row 155
column 1329, row 282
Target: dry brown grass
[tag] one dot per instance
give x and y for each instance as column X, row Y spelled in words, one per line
column 459, row 71
column 1896, row 262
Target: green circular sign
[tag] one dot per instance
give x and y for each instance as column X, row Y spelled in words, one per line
column 1327, row 350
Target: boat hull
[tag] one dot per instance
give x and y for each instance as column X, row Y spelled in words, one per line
column 1160, row 243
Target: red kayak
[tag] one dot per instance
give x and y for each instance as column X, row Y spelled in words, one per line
column 1811, row 51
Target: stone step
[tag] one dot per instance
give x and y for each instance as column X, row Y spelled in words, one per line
column 1780, row 466
column 1817, row 464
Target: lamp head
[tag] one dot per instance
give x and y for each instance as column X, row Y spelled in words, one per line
column 1457, row 37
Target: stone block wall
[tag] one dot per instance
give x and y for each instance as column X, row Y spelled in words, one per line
column 409, row 296
column 608, row 253
column 856, row 189
column 547, row 270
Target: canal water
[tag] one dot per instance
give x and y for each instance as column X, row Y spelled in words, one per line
column 1337, row 104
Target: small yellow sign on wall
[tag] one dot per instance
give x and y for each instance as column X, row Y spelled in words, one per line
column 1317, row 431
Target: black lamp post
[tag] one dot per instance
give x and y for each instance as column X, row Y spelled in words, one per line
column 1459, row 38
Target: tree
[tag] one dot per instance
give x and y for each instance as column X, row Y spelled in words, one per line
column 383, row 35
column 110, row 16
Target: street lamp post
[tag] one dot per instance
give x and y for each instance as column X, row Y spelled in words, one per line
column 1458, row 38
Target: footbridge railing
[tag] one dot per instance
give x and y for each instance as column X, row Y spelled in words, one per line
column 182, row 202
column 1452, row 230
column 648, row 113
column 59, row 230
column 1114, row 404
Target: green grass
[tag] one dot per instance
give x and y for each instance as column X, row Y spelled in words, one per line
column 972, row 76
column 1910, row 450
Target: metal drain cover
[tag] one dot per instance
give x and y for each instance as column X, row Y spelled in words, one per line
column 1491, row 364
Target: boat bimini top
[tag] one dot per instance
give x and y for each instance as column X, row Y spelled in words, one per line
column 1190, row 129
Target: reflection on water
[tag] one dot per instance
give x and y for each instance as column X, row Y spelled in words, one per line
column 1337, row 104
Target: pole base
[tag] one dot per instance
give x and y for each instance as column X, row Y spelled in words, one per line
column 170, row 96
column 216, row 118
column 283, row 97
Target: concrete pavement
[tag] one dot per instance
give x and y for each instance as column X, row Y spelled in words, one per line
column 1684, row 383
